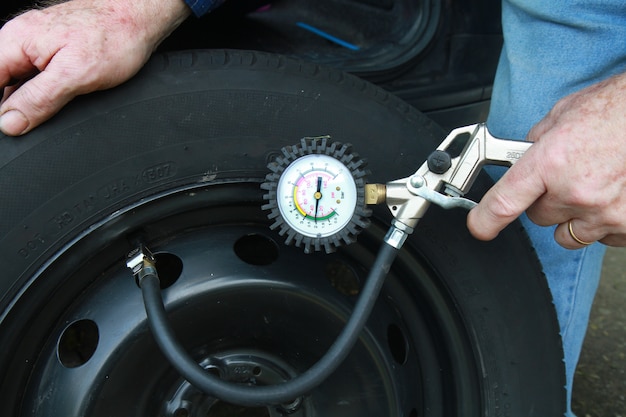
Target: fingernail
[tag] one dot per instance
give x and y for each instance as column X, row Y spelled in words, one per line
column 13, row 123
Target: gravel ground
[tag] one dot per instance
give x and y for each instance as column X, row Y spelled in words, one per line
column 600, row 381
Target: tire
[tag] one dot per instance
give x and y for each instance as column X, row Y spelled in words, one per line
column 174, row 158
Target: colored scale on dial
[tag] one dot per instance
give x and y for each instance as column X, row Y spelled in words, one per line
column 309, row 192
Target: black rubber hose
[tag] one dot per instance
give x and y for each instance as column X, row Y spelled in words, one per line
column 284, row 392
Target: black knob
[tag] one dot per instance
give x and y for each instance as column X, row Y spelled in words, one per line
column 439, row 162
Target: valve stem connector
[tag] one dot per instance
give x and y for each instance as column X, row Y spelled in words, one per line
column 142, row 263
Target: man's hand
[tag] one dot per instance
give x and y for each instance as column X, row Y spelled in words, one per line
column 575, row 172
column 49, row 56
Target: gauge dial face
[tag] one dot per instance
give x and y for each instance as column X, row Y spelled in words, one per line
column 317, row 195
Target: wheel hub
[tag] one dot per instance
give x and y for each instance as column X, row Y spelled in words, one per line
column 247, row 367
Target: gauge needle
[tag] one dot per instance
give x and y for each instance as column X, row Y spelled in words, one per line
column 318, row 195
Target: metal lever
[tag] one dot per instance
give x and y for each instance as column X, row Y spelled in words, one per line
column 482, row 149
column 445, row 177
column 417, row 184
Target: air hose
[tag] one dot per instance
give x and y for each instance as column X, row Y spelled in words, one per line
column 285, row 392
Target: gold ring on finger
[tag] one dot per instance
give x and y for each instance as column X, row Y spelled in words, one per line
column 573, row 235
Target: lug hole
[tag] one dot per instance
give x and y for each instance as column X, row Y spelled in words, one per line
column 398, row 344
column 78, row 343
column 256, row 249
column 169, row 267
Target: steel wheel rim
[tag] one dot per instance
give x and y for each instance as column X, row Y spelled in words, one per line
column 408, row 371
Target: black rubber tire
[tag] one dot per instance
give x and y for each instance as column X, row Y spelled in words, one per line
column 207, row 116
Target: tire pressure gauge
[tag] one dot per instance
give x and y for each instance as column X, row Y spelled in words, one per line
column 316, row 194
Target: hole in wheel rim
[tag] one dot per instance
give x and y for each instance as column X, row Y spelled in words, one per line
column 256, row 249
column 78, row 343
column 169, row 267
column 398, row 345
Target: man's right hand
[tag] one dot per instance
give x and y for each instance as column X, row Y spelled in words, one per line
column 574, row 175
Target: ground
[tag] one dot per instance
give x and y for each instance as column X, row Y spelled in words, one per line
column 600, row 381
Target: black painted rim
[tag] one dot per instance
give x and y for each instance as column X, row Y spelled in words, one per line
column 229, row 275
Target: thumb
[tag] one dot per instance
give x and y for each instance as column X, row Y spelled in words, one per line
column 34, row 102
column 517, row 190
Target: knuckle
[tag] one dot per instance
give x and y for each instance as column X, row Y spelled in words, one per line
column 502, row 207
column 38, row 100
column 589, row 198
column 613, row 220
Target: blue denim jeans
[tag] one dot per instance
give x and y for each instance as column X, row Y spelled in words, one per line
column 573, row 277
column 552, row 49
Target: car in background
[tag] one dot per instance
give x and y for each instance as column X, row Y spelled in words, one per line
column 439, row 56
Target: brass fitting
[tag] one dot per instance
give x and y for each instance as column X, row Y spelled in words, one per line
column 375, row 193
